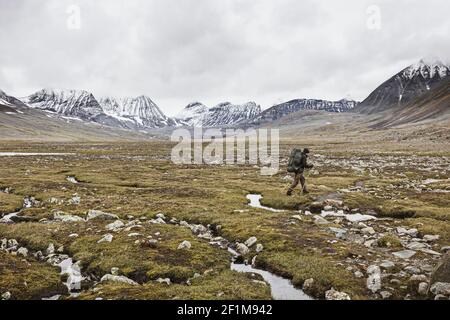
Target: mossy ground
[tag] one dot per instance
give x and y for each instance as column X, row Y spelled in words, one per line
column 139, row 179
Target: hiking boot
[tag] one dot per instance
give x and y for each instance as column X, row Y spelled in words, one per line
column 289, row 193
column 305, row 191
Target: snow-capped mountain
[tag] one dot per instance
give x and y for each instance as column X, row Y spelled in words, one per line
column 406, row 85
column 74, row 103
column 283, row 109
column 223, row 114
column 9, row 101
column 131, row 113
column 142, row 111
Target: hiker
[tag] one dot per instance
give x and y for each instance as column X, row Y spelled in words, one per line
column 298, row 164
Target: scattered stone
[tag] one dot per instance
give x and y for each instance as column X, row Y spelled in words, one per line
column 73, row 235
column 100, row 215
column 430, row 238
column 184, row 245
column 164, row 280
column 308, row 284
column 242, row 249
column 336, row 295
column 387, row 264
column 113, row 278
column 385, row 294
column 442, row 288
column 429, row 251
column 404, row 254
column 339, row 232
column 298, row 217
column 318, row 220
column 115, row 226
column 61, row 216
column 158, row 221
column 359, row 274
column 106, row 238
column 250, row 241
column 50, row 249
column 161, row 216
column 374, row 279
column 416, row 245
column 418, row 278
column 115, row 271
column 6, row 295
column 412, row 270
column 259, row 247
column 422, row 289
column 23, row 251
column 368, row 230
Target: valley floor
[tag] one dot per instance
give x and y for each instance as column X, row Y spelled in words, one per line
column 168, row 227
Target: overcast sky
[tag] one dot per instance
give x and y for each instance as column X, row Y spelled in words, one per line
column 180, row 51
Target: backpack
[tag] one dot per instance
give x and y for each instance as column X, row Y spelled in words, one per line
column 295, row 160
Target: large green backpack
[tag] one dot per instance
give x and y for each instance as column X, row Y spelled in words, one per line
column 295, row 160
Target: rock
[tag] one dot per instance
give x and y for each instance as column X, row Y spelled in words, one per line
column 6, row 295
column 158, row 221
column 99, row 215
column 122, row 279
column 198, row 228
column 161, row 216
column 368, row 230
column 429, row 251
column 418, row 278
column 50, row 249
column 318, row 220
column 73, row 235
column 115, row 226
column 184, row 245
column 445, row 249
column 359, row 274
column 242, row 249
column 336, row 295
column 339, row 232
column 12, row 244
column 404, row 254
column 374, row 279
column 416, row 245
column 403, row 231
column 23, row 251
column 440, row 297
column 442, row 271
column 115, row 271
column 328, row 208
column 422, row 289
column 259, row 247
column 308, row 284
column 334, row 203
column 250, row 241
column 297, row 217
column 151, row 243
column 164, row 280
column 316, row 207
column 387, row 264
column 106, row 238
column 385, row 294
column 412, row 270
column 442, row 288
column 134, row 234
column 75, row 200
column 430, row 238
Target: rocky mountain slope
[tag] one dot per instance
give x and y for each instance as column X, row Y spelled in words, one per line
column 405, row 86
column 281, row 110
column 142, row 111
column 223, row 114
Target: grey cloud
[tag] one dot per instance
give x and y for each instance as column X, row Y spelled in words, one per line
column 178, row 51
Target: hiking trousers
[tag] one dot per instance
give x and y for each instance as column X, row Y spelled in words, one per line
column 298, row 178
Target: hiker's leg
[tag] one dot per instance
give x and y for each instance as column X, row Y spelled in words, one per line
column 294, row 183
column 303, row 182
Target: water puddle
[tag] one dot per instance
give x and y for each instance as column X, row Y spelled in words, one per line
column 7, row 217
column 354, row 217
column 31, row 154
column 255, row 202
column 282, row 289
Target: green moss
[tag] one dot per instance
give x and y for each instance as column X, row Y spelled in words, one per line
column 28, row 279
column 389, row 241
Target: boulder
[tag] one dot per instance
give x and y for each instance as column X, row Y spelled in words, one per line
column 442, row 271
column 23, row 251
column 122, row 279
column 259, row 247
column 185, row 245
column 336, row 295
column 100, row 215
column 308, row 284
column 6, row 295
column 50, row 249
column 242, row 249
column 115, row 226
column 404, row 254
column 106, row 238
column 250, row 241
column 374, row 279
column 440, row 288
